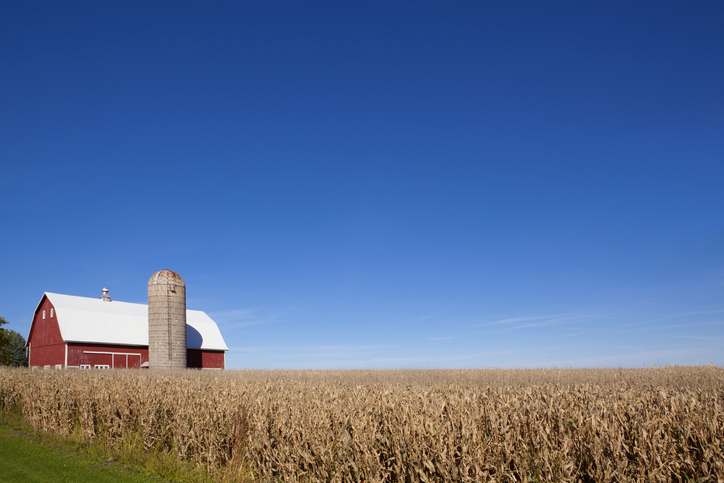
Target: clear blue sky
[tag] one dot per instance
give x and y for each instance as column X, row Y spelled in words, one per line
column 376, row 184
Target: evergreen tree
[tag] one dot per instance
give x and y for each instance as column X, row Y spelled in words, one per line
column 17, row 356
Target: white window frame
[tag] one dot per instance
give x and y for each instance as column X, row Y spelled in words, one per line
column 101, row 366
column 43, row 314
column 51, row 312
column 85, row 366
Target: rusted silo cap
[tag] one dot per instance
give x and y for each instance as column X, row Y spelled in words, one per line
column 166, row 277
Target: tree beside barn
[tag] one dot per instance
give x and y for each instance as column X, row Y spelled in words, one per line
column 12, row 347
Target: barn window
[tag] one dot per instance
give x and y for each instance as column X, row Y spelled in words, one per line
column 85, row 366
column 102, row 366
column 51, row 313
column 43, row 314
column 59, row 366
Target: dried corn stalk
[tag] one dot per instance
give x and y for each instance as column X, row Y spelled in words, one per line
column 608, row 425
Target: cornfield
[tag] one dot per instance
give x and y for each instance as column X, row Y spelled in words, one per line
column 607, row 425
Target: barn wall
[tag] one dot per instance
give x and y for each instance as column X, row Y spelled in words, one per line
column 115, row 356
column 48, row 355
column 47, row 347
column 204, row 359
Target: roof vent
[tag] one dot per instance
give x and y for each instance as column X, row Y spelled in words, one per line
column 105, row 297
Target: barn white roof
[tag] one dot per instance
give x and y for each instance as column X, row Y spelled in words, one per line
column 83, row 319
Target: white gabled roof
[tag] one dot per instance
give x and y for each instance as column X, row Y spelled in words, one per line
column 83, row 319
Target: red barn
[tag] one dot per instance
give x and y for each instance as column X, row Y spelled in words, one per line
column 85, row 333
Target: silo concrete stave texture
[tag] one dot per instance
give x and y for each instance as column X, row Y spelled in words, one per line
column 166, row 321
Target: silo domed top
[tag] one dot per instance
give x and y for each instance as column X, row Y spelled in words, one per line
column 166, row 277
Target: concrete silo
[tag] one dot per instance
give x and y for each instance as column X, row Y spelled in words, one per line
column 166, row 321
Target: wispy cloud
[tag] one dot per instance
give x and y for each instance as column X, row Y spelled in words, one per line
column 516, row 323
column 640, row 337
column 339, row 356
column 687, row 314
column 576, row 334
column 515, row 320
column 239, row 318
column 718, row 339
column 639, row 327
column 428, row 360
column 677, row 356
column 629, row 348
column 630, row 320
column 321, row 356
column 317, row 351
column 557, row 321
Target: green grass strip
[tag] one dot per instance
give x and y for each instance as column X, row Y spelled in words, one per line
column 24, row 458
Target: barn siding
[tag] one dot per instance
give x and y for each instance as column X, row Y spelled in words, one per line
column 47, row 347
column 49, row 355
column 45, row 331
column 204, row 359
column 114, row 356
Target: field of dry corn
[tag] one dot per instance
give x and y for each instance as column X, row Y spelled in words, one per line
column 607, row 425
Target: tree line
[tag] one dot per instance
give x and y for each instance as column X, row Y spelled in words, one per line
column 12, row 347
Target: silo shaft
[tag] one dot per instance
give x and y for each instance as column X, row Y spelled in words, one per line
column 166, row 321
